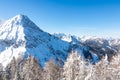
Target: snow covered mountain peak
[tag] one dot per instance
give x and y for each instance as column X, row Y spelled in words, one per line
column 20, row 36
column 18, row 20
column 17, row 27
column 18, row 17
column 16, row 34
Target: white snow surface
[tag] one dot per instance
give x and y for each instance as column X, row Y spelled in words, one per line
column 20, row 36
column 64, row 37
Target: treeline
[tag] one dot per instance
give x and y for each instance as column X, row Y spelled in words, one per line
column 75, row 68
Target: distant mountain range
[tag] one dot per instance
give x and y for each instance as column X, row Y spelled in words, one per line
column 19, row 36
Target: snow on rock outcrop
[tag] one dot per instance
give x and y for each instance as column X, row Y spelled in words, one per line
column 64, row 37
column 93, row 48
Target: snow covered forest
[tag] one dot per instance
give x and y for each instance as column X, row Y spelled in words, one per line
column 75, row 68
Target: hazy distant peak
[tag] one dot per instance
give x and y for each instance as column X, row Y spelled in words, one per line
column 1, row 22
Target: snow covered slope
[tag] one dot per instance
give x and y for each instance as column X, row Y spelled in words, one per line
column 21, row 37
column 93, row 48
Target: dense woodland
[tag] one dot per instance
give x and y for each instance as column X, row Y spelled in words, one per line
column 75, row 68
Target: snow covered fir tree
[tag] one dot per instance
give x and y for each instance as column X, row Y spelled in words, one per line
column 29, row 53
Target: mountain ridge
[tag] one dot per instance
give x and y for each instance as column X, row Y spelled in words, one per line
column 19, row 36
column 25, row 38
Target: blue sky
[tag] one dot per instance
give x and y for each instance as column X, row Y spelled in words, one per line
column 78, row 17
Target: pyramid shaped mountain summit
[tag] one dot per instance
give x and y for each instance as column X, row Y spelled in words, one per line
column 19, row 36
